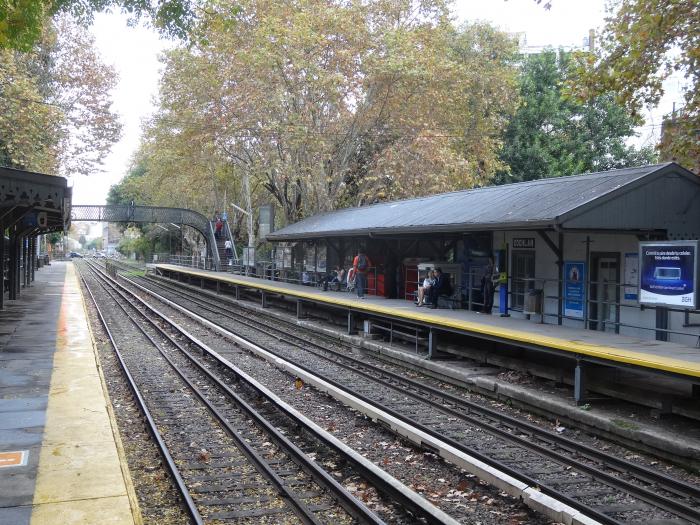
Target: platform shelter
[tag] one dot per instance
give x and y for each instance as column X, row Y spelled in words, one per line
column 566, row 249
column 31, row 204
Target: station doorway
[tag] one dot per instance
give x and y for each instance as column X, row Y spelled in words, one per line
column 523, row 277
column 604, row 296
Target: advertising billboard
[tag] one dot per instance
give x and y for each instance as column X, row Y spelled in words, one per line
column 668, row 273
column 574, row 290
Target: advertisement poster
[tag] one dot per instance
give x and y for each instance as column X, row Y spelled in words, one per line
column 631, row 276
column 668, row 273
column 574, row 289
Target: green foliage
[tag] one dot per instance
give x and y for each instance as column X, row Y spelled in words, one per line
column 55, row 238
column 553, row 135
column 95, row 244
column 643, row 42
column 135, row 243
column 23, row 21
column 129, row 189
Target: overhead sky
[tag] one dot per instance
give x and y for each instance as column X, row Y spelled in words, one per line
column 133, row 51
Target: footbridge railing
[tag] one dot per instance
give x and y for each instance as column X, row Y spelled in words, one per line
column 150, row 214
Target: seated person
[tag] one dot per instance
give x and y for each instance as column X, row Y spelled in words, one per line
column 341, row 278
column 440, row 287
column 331, row 278
column 424, row 288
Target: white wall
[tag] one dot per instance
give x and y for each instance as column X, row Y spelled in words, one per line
column 575, row 250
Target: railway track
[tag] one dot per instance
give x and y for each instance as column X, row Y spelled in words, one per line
column 610, row 489
column 227, row 445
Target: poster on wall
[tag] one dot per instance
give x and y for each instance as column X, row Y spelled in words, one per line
column 668, row 273
column 631, row 276
column 574, row 288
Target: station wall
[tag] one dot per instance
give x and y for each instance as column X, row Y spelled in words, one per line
column 634, row 321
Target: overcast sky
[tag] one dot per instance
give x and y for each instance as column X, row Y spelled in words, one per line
column 133, row 51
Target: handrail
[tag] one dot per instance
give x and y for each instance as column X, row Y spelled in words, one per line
column 233, row 242
column 214, row 247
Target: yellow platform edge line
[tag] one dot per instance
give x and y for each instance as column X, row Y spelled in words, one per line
column 667, row 364
column 124, row 464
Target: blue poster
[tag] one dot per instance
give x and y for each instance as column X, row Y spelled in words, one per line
column 574, row 289
column 668, row 273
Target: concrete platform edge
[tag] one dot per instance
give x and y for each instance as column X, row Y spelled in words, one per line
column 493, row 387
column 130, row 490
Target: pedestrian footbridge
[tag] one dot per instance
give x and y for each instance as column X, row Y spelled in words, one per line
column 150, row 214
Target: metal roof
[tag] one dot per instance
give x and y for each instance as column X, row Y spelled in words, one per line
column 538, row 204
column 24, row 194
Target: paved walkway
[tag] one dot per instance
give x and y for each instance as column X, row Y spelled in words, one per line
column 53, row 413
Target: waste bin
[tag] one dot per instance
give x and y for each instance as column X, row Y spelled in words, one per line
column 533, row 302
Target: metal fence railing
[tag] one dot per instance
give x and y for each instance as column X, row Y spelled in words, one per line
column 270, row 271
column 606, row 311
column 190, row 261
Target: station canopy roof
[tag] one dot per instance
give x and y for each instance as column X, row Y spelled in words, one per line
column 624, row 199
column 37, row 203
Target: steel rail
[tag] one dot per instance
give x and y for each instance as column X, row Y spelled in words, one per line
column 162, row 447
column 354, row 507
column 382, row 484
column 459, row 446
column 644, row 474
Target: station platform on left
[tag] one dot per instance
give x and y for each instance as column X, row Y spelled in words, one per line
column 60, row 454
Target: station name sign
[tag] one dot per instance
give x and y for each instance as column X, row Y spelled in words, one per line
column 668, row 274
column 527, row 243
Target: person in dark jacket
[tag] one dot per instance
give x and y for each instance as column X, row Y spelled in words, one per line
column 439, row 288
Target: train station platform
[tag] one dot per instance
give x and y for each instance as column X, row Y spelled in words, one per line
column 582, row 345
column 60, row 459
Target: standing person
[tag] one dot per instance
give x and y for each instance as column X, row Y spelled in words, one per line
column 361, row 264
column 229, row 250
column 219, row 227
column 487, row 287
column 224, row 216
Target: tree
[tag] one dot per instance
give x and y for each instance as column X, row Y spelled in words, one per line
column 22, row 22
column 129, row 189
column 55, row 238
column 95, row 244
column 55, row 104
column 643, row 42
column 319, row 104
column 553, row 135
column 30, row 130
